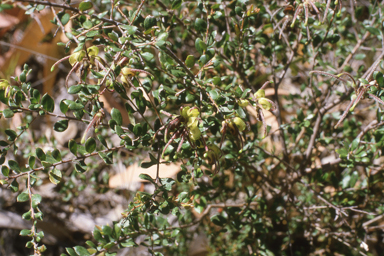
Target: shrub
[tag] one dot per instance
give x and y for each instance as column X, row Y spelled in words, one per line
column 271, row 109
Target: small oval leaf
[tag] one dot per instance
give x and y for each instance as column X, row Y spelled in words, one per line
column 61, row 125
column 116, row 115
column 90, row 145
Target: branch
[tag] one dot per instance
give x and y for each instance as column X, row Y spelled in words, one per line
column 63, row 162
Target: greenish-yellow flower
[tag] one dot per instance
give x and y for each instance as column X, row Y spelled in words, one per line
column 260, row 94
column 76, row 57
column 239, row 123
column 265, row 103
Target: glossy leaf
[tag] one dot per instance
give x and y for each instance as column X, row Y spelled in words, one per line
column 85, row 6
column 23, row 197
column 55, row 176
column 116, row 115
column 72, row 145
column 61, row 125
column 90, row 145
column 48, row 103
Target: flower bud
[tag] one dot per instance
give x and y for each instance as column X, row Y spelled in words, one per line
column 109, row 84
column 193, row 112
column 259, row 94
column 194, row 134
column 265, row 103
column 353, row 97
column 243, row 103
column 127, row 71
column 3, row 84
column 192, row 122
column 215, row 149
column 184, row 112
column 93, row 51
column 76, row 57
column 124, row 79
column 210, row 156
column 239, row 123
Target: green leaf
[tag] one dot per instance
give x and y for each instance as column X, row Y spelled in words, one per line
column 87, row 24
column 63, row 107
column 92, row 33
column 14, row 166
column 23, row 197
column 40, row 154
column 130, row 29
column 363, row 80
column 117, row 230
column 56, row 155
column 61, row 125
column 76, row 106
column 378, row 76
column 333, row 38
column 161, row 39
column 149, row 22
column 72, row 145
column 116, row 115
column 151, row 163
column 141, row 104
column 65, row 19
column 23, row 77
column 71, row 252
column 144, row 176
column 75, row 89
column 11, row 134
column 128, row 243
column 190, row 61
column 373, row 31
column 114, row 36
column 102, row 140
column 153, row 159
column 25, row 232
column 48, row 103
column 218, row 220
column 81, row 251
column 8, row 113
column 214, row 94
column 107, row 157
column 360, row 56
column 355, row 144
column 200, row 25
column 176, row 4
column 199, row 45
column 46, row 164
column 85, row 6
column 168, row 183
column 175, row 232
column 5, row 170
column 90, row 145
column 55, row 176
column 26, row 216
column 31, row 161
column 107, row 230
column 79, row 168
column 14, row 186
column 36, row 200
column 109, row 245
column 90, row 244
column 147, row 56
column 202, row 45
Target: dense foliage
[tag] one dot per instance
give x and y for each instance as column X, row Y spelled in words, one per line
column 272, row 110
